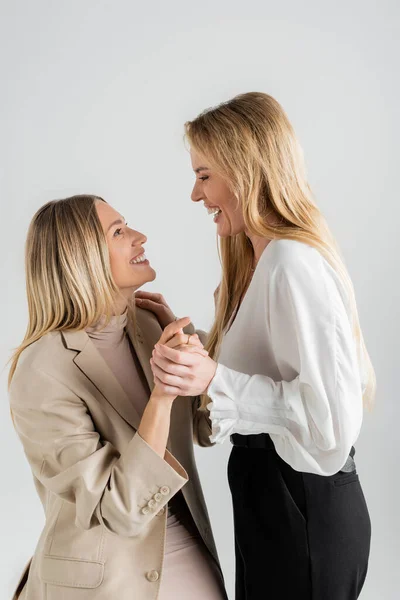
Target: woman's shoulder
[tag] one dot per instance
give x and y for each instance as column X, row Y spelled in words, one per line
column 302, row 266
column 291, row 255
column 46, row 353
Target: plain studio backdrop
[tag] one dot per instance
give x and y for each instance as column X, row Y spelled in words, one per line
column 94, row 96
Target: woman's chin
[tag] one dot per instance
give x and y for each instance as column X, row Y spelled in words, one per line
column 227, row 230
column 223, row 228
column 148, row 275
column 152, row 275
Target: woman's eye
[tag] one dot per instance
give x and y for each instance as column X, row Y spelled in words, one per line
column 204, row 177
column 117, row 231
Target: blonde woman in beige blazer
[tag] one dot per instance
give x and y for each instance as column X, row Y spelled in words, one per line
column 107, row 468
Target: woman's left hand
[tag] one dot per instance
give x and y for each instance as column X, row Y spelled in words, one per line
column 156, row 304
column 182, row 371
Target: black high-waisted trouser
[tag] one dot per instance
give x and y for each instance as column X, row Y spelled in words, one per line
column 298, row 536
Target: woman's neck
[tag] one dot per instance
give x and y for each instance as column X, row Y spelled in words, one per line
column 120, row 305
column 259, row 244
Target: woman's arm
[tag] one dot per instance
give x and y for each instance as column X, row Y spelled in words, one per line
column 314, row 414
column 68, row 456
column 155, row 422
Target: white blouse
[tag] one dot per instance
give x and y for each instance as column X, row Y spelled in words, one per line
column 289, row 365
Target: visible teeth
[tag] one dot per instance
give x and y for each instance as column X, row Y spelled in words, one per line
column 139, row 259
column 213, row 211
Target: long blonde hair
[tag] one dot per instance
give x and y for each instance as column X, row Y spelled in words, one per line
column 69, row 284
column 250, row 142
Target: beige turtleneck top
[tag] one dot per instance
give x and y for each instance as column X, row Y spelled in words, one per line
column 115, row 347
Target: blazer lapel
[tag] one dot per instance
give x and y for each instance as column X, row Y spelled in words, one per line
column 143, row 348
column 92, row 364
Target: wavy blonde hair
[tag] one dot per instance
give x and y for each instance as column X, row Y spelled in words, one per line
column 250, row 142
column 69, row 284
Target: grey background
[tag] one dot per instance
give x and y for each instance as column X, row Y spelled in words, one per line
column 93, row 99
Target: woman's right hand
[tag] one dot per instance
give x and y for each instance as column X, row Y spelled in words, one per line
column 174, row 337
column 156, row 304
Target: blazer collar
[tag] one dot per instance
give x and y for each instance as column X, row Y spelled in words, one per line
column 92, row 364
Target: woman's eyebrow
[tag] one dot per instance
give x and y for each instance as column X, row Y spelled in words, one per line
column 199, row 169
column 117, row 222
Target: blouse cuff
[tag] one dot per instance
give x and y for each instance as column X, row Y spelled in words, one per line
column 248, row 405
column 224, row 412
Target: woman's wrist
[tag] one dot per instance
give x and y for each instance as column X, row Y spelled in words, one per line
column 161, row 400
column 213, row 372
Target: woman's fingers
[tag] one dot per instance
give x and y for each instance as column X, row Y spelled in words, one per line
column 173, row 328
column 158, row 298
column 150, row 301
column 149, row 304
column 182, row 339
column 188, row 357
column 168, row 366
column 166, row 378
column 156, row 304
column 191, row 349
column 166, row 389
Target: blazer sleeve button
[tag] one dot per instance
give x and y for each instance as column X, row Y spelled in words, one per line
column 152, row 576
column 165, row 490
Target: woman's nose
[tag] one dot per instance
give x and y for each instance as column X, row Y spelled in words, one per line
column 138, row 238
column 196, row 194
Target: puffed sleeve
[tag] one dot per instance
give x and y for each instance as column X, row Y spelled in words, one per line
column 314, row 413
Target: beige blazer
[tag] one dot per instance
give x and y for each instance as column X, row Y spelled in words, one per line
column 103, row 489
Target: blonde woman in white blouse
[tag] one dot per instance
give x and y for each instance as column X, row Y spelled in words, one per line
column 287, row 372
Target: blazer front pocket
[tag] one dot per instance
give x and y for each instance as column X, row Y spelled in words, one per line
column 67, row 540
column 69, row 572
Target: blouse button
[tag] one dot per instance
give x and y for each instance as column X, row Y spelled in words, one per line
column 152, row 576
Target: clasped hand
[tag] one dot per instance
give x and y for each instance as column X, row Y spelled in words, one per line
column 180, row 365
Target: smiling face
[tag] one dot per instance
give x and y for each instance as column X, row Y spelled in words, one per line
column 129, row 266
column 218, row 198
